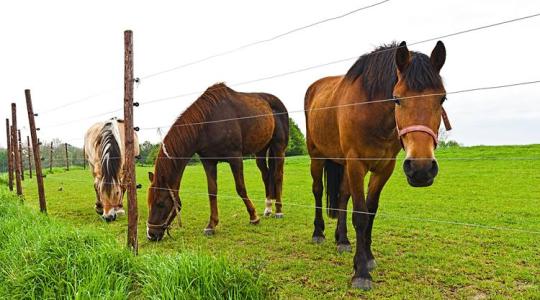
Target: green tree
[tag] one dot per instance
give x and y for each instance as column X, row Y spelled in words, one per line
column 297, row 141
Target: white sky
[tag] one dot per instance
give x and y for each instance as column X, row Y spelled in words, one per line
column 65, row 51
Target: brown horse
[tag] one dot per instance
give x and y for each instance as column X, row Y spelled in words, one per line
column 350, row 133
column 222, row 125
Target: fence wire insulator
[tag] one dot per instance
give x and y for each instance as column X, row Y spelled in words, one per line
column 136, row 128
column 40, row 143
column 38, row 129
column 36, row 115
column 137, row 157
column 136, row 104
column 139, row 186
column 43, row 158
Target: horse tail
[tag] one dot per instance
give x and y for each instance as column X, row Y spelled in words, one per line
column 333, row 175
column 110, row 155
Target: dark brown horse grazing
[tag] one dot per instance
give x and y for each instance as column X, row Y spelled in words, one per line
column 222, row 125
column 358, row 137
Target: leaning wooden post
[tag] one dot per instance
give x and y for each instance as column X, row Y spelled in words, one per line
column 15, row 148
column 51, row 158
column 21, row 162
column 37, row 155
column 67, row 156
column 29, row 156
column 129, row 165
column 9, row 156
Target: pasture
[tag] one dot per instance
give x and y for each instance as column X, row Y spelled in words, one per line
column 421, row 240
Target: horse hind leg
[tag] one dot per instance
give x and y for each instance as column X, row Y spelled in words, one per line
column 317, row 188
column 342, row 241
column 276, row 162
column 261, row 164
column 237, row 168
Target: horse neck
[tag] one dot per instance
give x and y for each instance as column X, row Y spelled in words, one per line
column 175, row 153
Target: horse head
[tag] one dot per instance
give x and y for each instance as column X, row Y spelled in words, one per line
column 418, row 95
column 163, row 206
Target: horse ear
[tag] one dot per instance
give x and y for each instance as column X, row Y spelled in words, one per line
column 438, row 56
column 151, row 176
column 402, row 56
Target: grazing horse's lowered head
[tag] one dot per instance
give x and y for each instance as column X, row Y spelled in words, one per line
column 418, row 95
column 104, row 148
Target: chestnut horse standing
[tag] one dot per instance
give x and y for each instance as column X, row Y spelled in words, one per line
column 350, row 133
column 222, row 125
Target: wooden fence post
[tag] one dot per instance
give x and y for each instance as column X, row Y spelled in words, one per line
column 9, row 155
column 51, row 158
column 29, row 156
column 129, row 166
column 84, row 158
column 15, row 148
column 21, row 161
column 37, row 155
column 67, row 157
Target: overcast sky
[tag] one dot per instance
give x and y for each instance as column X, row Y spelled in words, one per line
column 65, row 51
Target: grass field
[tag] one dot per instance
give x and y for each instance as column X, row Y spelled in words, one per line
column 422, row 247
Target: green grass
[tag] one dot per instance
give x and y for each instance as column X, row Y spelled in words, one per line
column 41, row 258
column 420, row 251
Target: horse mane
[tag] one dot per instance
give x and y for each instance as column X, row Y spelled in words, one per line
column 379, row 76
column 185, row 130
column 110, row 154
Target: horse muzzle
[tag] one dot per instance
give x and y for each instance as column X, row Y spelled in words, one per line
column 154, row 234
column 420, row 173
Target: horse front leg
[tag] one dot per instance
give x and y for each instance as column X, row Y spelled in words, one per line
column 210, row 168
column 360, row 218
column 237, row 168
column 375, row 186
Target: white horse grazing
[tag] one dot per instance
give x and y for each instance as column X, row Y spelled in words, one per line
column 104, row 148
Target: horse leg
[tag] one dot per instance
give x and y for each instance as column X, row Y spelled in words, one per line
column 210, row 168
column 237, row 168
column 343, row 243
column 376, row 184
column 317, row 188
column 261, row 164
column 99, row 205
column 277, row 164
column 356, row 173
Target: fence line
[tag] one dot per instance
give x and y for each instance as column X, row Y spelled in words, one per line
column 358, row 103
column 293, row 71
column 392, row 216
column 350, row 58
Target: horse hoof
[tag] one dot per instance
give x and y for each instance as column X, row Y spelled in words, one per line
column 267, row 212
column 371, row 265
column 344, row 248
column 255, row 222
column 279, row 216
column 361, row 283
column 318, row 239
column 209, row 231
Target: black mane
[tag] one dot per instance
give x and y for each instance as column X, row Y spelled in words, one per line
column 378, row 71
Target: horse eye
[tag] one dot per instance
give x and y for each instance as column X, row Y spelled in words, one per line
column 443, row 99
column 396, row 100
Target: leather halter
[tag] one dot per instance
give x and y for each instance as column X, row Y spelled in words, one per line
column 424, row 129
column 177, row 207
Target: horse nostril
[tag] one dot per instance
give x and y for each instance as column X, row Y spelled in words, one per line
column 407, row 167
column 434, row 168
